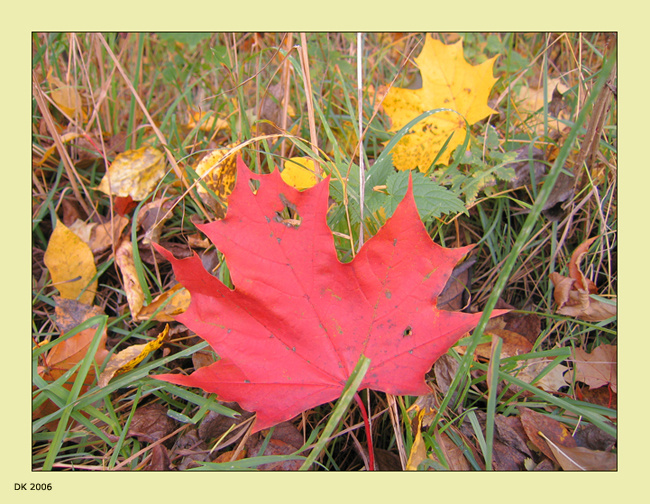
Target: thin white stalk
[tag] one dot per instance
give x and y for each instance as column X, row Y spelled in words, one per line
column 362, row 178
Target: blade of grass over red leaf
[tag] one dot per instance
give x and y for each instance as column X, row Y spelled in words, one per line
column 292, row 330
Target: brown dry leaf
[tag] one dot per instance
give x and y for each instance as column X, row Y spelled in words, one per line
column 151, row 217
column 578, row 303
column 132, row 288
column 453, row 454
column 151, row 423
column 127, row 359
column 597, row 368
column 215, row 425
column 159, row 459
column 573, row 294
column 581, row 459
column 134, row 173
column 534, row 423
column 107, row 234
column 550, row 382
column 176, row 300
column 286, row 439
column 513, row 344
column 455, row 295
column 71, row 265
column 603, row 396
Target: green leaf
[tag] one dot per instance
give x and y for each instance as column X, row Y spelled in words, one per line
column 432, row 199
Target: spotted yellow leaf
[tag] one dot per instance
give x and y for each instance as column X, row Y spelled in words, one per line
column 218, row 170
column 134, row 173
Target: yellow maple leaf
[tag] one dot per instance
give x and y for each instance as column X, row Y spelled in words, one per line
column 450, row 82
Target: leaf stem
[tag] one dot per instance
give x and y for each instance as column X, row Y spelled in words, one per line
column 364, row 414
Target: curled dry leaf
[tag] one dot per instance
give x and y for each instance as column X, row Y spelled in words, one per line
column 573, row 294
column 127, row 359
column 151, row 218
column 100, row 236
column 132, row 288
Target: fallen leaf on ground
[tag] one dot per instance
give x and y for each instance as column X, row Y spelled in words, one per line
column 534, row 423
column 65, row 96
column 134, row 173
column 66, row 354
column 286, row 439
column 300, row 172
column 573, row 294
column 552, row 381
column 125, row 360
column 448, row 81
column 151, row 218
column 298, row 320
column 597, row 368
column 418, row 450
column 170, row 303
column 100, row 236
column 531, row 100
column 209, row 123
column 217, row 169
column 126, row 264
column 71, row 265
column 581, row 459
column 151, row 423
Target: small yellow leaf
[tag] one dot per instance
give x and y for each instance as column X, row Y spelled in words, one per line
column 134, row 173
column 209, row 124
column 179, row 302
column 418, row 450
column 300, row 172
column 66, row 97
column 71, row 265
column 130, row 357
column 132, row 287
column 450, row 82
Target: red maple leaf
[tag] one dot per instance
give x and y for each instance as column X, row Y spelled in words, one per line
column 298, row 320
